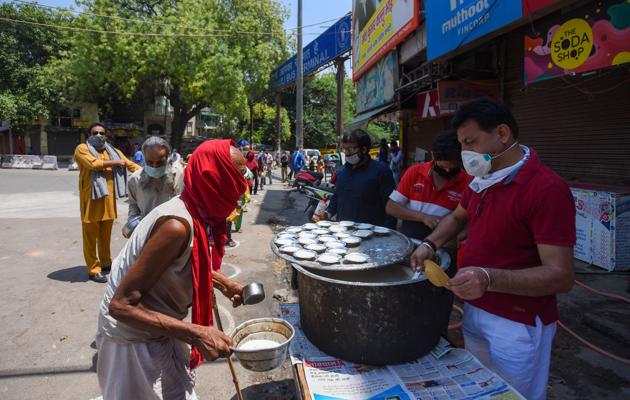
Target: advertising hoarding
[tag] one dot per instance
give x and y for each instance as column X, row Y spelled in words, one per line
column 378, row 86
column 593, row 37
column 378, row 26
column 453, row 23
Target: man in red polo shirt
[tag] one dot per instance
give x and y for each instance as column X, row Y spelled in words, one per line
column 429, row 191
column 519, row 250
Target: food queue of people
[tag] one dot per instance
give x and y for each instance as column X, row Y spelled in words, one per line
column 515, row 215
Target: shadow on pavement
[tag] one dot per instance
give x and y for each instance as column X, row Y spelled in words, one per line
column 278, row 390
column 72, row 274
column 38, row 371
column 280, row 206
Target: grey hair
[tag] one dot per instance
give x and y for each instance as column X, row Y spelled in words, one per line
column 155, row 141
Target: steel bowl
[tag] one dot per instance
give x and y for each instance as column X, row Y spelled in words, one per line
column 273, row 329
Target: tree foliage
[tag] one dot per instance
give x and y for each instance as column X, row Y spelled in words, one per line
column 29, row 87
column 320, row 112
column 201, row 59
column 265, row 125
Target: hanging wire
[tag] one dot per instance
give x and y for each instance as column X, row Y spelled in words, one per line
column 154, row 23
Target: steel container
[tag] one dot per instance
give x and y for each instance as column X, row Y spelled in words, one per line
column 377, row 317
column 273, row 329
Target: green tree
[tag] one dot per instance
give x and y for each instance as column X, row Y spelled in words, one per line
column 29, row 87
column 320, row 112
column 211, row 53
column 265, row 125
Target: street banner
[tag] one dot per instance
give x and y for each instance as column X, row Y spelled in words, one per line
column 378, row 26
column 590, row 38
column 451, row 24
column 378, row 86
column 334, row 42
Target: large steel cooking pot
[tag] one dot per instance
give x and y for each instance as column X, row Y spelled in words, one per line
column 375, row 317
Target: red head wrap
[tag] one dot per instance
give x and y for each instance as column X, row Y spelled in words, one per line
column 212, row 187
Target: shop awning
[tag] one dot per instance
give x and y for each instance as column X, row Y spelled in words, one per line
column 361, row 120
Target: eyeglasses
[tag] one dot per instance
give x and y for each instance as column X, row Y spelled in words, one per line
column 98, row 132
column 351, row 150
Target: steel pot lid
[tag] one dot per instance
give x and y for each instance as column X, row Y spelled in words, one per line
column 393, row 248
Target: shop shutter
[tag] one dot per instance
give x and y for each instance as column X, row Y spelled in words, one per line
column 579, row 126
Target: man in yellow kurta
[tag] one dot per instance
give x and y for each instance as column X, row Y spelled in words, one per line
column 102, row 178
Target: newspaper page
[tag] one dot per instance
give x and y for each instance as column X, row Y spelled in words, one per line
column 456, row 375
column 333, row 379
column 445, row 373
column 300, row 347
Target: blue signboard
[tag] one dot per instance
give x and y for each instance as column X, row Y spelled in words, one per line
column 335, row 41
column 453, row 23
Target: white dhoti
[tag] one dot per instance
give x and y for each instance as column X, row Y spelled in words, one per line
column 156, row 370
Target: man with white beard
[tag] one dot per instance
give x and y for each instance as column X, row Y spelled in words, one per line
column 160, row 180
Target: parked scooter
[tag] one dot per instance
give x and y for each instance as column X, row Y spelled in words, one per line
column 314, row 179
column 319, row 198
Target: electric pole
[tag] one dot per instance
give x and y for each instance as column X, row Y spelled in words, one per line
column 299, row 100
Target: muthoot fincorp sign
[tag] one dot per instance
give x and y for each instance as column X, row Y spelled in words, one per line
column 466, row 17
column 453, row 23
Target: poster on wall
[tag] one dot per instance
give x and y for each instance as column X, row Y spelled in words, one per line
column 378, row 26
column 453, row 23
column 378, row 86
column 593, row 37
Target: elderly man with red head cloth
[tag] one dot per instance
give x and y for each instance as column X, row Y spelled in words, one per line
column 145, row 349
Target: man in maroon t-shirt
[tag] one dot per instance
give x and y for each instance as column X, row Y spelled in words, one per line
column 519, row 252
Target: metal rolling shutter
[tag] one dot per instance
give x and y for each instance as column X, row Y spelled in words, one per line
column 580, row 126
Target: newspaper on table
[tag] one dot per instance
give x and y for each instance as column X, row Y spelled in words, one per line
column 445, row 373
column 300, row 347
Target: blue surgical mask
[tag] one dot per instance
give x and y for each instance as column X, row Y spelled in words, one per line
column 155, row 172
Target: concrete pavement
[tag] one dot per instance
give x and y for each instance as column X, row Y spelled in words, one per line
column 49, row 308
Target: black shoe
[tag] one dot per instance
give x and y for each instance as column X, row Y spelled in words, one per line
column 100, row 278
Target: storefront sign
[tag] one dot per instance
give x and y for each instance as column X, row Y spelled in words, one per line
column 378, row 26
column 325, row 48
column 531, row 6
column 80, row 123
column 453, row 23
column 455, row 93
column 378, row 86
column 594, row 37
column 428, row 104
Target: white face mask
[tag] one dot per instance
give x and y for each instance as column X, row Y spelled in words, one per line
column 353, row 159
column 478, row 164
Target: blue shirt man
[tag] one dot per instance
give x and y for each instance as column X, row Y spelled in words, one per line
column 363, row 186
column 298, row 161
column 138, row 157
